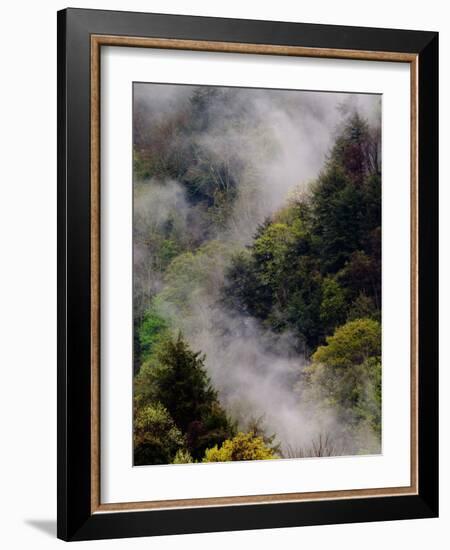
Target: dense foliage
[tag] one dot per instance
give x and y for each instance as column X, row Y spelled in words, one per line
column 318, row 262
column 156, row 437
column 312, row 273
column 345, row 374
column 174, row 377
column 241, row 447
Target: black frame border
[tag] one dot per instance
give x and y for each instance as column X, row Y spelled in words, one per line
column 75, row 521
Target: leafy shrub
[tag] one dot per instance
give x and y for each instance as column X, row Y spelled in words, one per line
column 156, row 437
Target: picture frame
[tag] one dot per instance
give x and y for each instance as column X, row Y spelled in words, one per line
column 81, row 36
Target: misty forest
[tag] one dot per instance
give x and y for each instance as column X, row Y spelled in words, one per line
column 257, row 274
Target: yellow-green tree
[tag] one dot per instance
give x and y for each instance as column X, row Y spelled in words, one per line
column 244, row 446
column 156, row 437
column 345, row 374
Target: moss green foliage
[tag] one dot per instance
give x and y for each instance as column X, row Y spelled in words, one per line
column 351, row 344
column 332, row 306
column 156, row 437
column 345, row 374
column 241, row 447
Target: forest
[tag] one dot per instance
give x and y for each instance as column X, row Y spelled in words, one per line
column 257, row 274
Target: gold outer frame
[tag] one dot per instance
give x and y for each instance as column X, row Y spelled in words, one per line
column 97, row 41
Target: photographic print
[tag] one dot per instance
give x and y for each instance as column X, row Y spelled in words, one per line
column 256, row 274
column 247, row 274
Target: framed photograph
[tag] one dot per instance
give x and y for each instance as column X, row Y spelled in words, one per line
column 247, row 252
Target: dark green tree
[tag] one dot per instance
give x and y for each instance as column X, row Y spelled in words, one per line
column 175, row 376
column 338, row 209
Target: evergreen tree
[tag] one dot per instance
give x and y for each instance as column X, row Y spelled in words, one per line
column 175, row 376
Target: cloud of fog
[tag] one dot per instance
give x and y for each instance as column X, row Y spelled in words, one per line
column 155, row 205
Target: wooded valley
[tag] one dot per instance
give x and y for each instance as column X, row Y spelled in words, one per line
column 257, row 274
